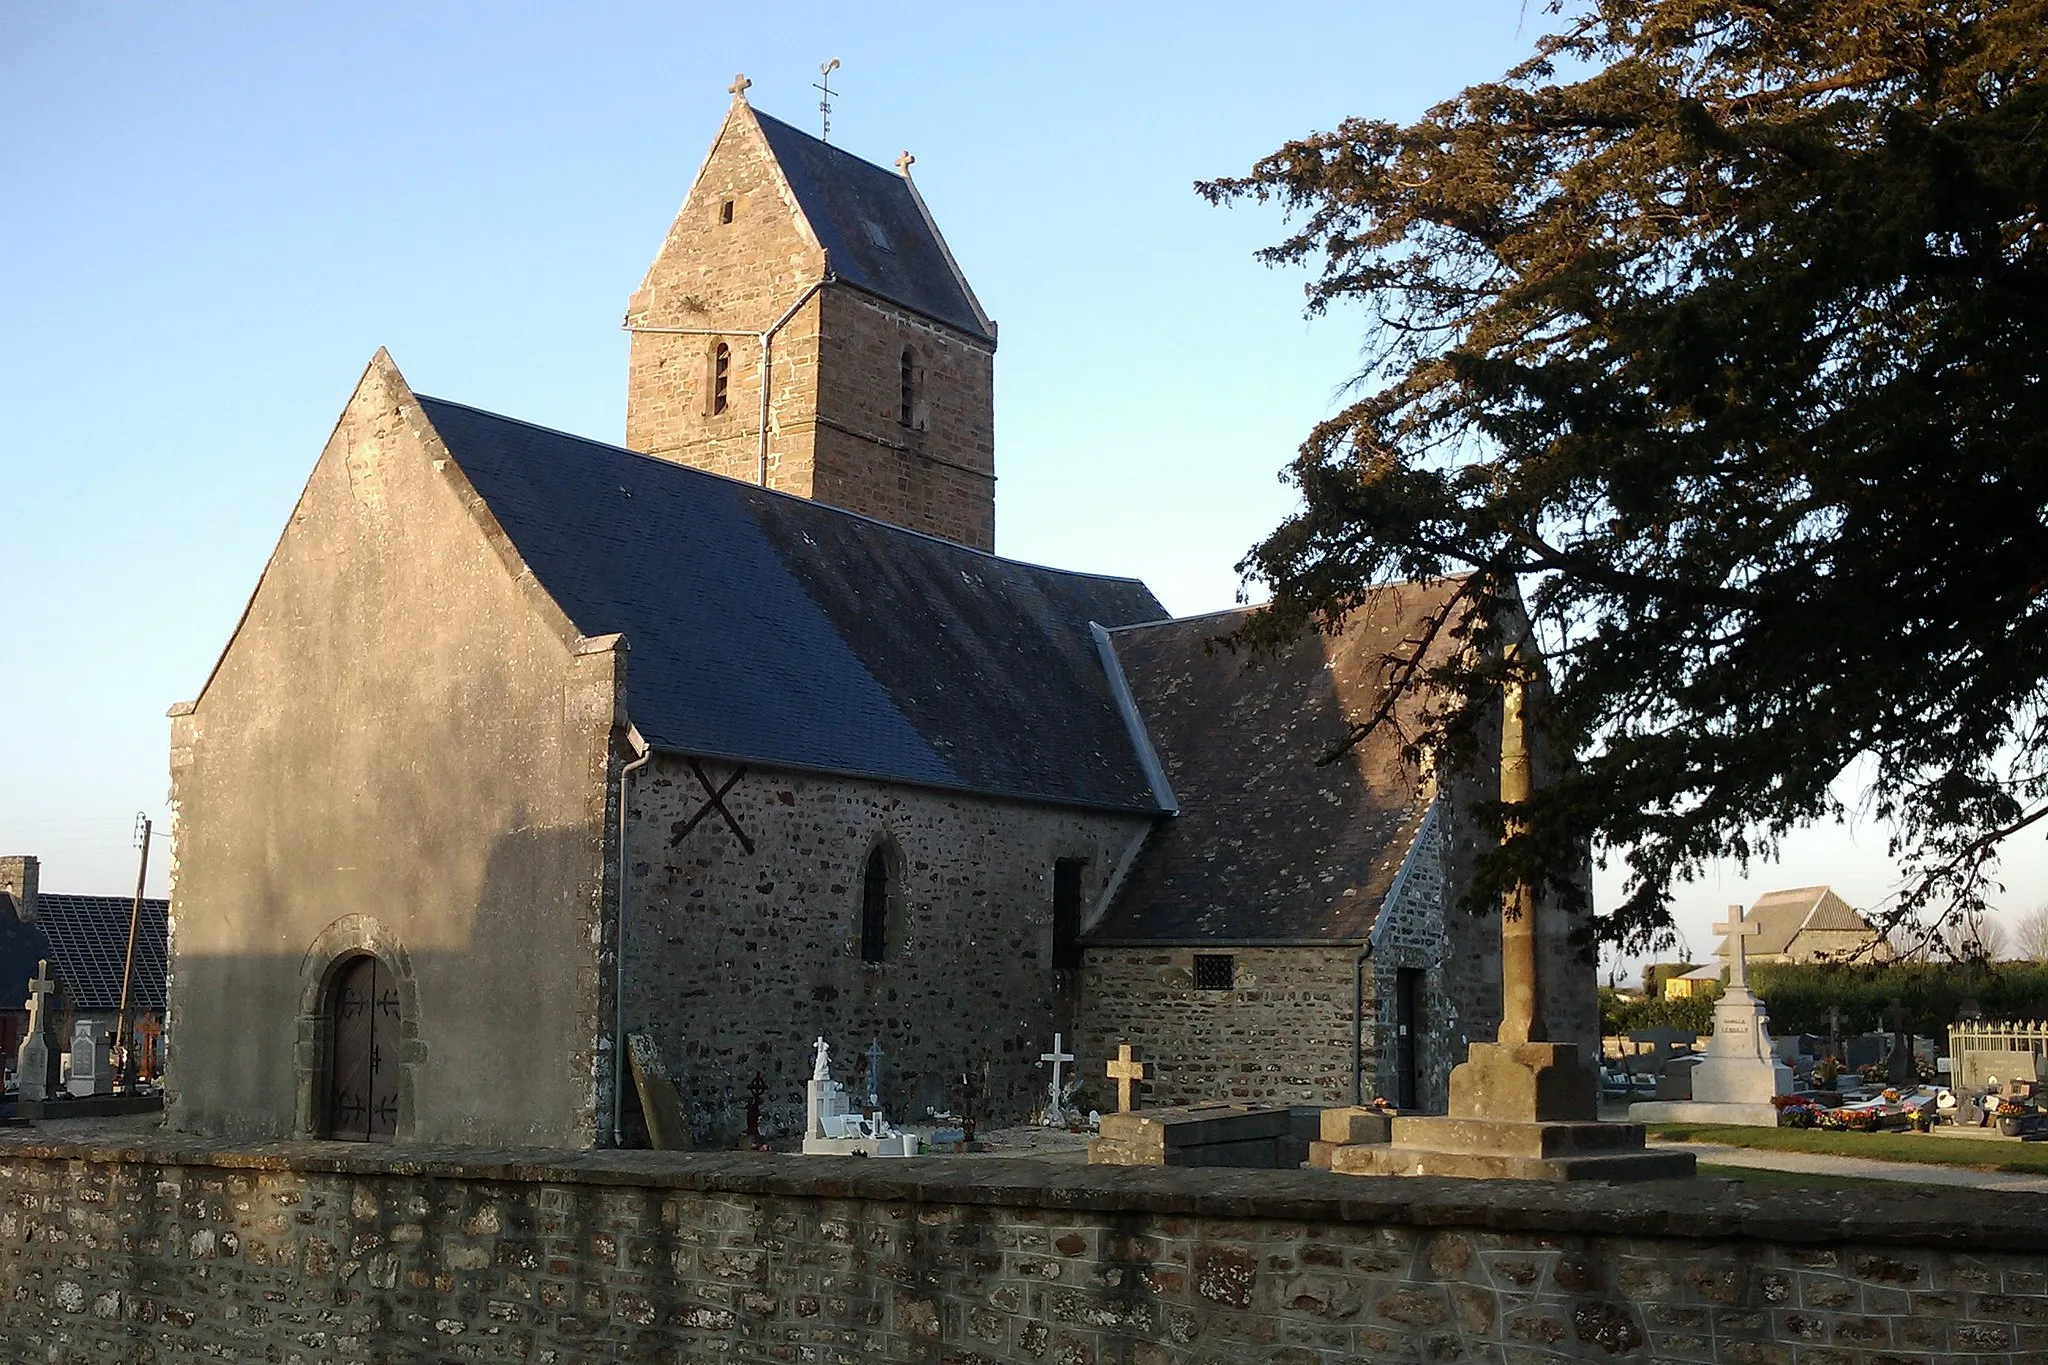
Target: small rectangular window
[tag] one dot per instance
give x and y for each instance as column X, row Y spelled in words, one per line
column 725, row 212
column 1215, row 972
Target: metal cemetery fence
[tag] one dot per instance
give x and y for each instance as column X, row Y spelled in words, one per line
column 2009, row 1051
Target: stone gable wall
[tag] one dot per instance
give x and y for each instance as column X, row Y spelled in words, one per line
column 1410, row 934
column 1282, row 1035
column 298, row 1257
column 404, row 751
column 737, row 959
column 740, row 277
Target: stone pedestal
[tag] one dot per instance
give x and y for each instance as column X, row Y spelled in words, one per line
column 1351, row 1126
column 1519, row 1111
column 36, row 1068
column 1205, row 1135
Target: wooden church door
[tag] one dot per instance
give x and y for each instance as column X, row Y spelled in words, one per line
column 362, row 1097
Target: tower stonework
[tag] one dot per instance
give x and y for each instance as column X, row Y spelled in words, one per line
column 794, row 260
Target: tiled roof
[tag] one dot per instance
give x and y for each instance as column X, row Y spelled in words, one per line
column 875, row 236
column 85, row 938
column 772, row 629
column 1781, row 916
column 1270, row 845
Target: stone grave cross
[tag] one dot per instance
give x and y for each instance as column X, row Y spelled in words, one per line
column 39, row 988
column 1124, row 1070
column 1834, row 1030
column 1737, row 929
column 1058, row 1059
column 875, row 1073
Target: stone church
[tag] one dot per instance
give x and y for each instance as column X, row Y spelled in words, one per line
column 741, row 735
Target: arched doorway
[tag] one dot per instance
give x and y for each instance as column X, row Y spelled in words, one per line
column 362, row 1055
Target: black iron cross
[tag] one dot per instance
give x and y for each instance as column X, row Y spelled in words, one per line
column 715, row 801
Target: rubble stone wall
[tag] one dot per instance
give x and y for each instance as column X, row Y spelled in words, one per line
column 300, row 1255
column 737, row 957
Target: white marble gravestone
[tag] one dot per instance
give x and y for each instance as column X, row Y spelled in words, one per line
column 91, row 1061
column 831, row 1130
column 37, row 1061
column 1740, row 1074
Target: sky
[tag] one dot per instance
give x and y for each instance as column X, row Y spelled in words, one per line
column 212, row 214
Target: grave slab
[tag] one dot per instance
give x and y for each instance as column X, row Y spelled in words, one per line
column 1206, row 1135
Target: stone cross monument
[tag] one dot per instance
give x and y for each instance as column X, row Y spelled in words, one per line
column 1521, row 1106
column 1741, row 1068
column 1055, row 1109
column 37, row 1062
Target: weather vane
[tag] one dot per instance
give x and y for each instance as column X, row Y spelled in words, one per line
column 825, row 70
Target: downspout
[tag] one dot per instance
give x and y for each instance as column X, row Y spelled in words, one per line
column 620, row 1062
column 765, row 340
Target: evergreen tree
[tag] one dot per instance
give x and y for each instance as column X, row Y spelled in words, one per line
column 1709, row 342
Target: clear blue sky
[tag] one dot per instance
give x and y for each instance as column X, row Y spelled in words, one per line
column 211, row 215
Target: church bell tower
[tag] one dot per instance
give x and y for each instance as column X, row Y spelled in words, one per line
column 805, row 328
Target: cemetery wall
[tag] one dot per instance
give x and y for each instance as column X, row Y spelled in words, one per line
column 737, row 958
column 297, row 1255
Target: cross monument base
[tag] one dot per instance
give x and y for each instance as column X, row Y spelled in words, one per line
column 1519, row 1111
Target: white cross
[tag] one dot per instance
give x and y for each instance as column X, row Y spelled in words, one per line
column 1738, row 957
column 1058, row 1059
column 39, row 988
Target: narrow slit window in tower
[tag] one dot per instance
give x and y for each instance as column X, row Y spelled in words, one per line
column 725, row 212
column 721, row 375
column 906, row 410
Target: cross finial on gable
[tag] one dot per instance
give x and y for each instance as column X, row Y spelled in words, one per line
column 903, row 164
column 738, row 88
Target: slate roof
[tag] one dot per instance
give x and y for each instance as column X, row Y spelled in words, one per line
column 1269, row 847
column 875, row 235
column 1782, row 916
column 772, row 629
column 85, row 938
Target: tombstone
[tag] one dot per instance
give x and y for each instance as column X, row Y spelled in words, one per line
column 1263, row 1138
column 1740, row 1075
column 660, row 1103
column 757, row 1090
column 1866, row 1049
column 91, row 1061
column 37, row 1060
column 831, row 1129
column 1666, row 1045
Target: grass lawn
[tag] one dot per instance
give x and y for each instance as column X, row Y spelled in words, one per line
column 2026, row 1159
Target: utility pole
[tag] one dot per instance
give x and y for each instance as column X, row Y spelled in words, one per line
column 122, row 1071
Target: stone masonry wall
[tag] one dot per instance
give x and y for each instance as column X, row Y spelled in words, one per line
column 737, row 959
column 1409, row 933
column 835, row 378
column 302, row 1255
column 1282, row 1035
column 936, row 475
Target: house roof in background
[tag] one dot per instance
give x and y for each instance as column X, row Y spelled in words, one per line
column 772, row 629
column 876, row 235
column 1271, row 845
column 85, row 939
column 1782, row 916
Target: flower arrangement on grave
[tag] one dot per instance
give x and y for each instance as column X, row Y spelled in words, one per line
column 1794, row 1112
column 1825, row 1072
column 1850, row 1120
column 2012, row 1108
column 1873, row 1074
